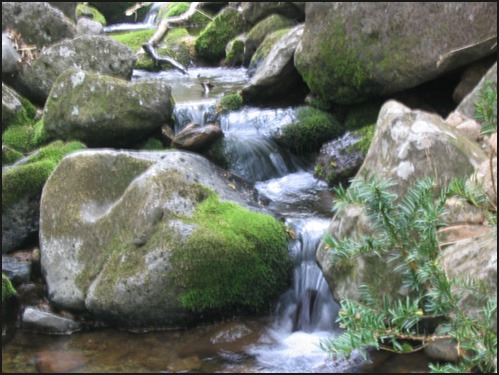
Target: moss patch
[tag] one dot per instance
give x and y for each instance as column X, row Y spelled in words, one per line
column 29, row 179
column 8, row 290
column 344, row 71
column 229, row 103
column 26, row 116
column 311, row 129
column 264, row 49
column 211, row 43
column 83, row 10
column 135, row 39
column 236, row 53
column 25, row 138
column 176, row 9
column 235, row 258
column 9, row 155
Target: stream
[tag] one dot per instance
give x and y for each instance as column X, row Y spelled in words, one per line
column 287, row 340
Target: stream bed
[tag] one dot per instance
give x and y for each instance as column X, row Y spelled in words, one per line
column 286, row 340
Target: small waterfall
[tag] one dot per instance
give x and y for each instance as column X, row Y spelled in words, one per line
column 150, row 18
column 309, row 304
column 201, row 112
column 148, row 23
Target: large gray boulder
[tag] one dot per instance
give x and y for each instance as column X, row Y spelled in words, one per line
column 38, row 22
column 93, row 53
column 407, row 146
column 105, row 111
column 141, row 239
column 351, row 51
column 277, row 74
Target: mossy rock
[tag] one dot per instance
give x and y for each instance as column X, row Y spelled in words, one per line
column 261, row 30
column 8, row 294
column 89, row 11
column 176, row 44
column 264, row 49
column 229, row 103
column 311, row 128
column 210, row 44
column 154, row 245
column 9, row 155
column 28, row 179
column 177, row 8
column 16, row 110
column 234, row 53
column 25, row 138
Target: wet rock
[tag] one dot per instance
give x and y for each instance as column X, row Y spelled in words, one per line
column 339, row 160
column 9, row 56
column 195, row 137
column 89, row 27
column 408, row 145
column 38, row 22
column 345, row 61
column 128, row 224
column 89, row 107
column 18, row 272
column 58, row 361
column 46, row 322
column 96, row 54
column 277, row 74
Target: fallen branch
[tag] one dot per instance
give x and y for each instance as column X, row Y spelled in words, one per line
column 151, row 45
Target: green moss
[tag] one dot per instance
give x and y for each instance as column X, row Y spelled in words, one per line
column 28, row 179
column 24, row 138
column 345, row 72
column 211, row 43
column 9, row 155
column 264, row 49
column 176, row 9
column 229, row 103
column 8, row 290
column 311, row 129
column 83, row 10
column 235, row 258
column 134, row 39
column 361, row 115
column 367, row 134
column 152, row 144
column 236, row 53
column 26, row 116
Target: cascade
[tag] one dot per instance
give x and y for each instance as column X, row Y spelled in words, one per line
column 149, row 21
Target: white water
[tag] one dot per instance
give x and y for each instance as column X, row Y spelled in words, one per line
column 149, row 21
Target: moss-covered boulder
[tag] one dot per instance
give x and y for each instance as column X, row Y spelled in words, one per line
column 21, row 190
column 156, row 239
column 94, row 53
column 88, row 11
column 105, row 111
column 234, row 52
column 210, row 44
column 173, row 9
column 9, row 155
column 38, row 22
column 16, row 110
column 229, row 103
column 350, row 51
column 408, row 145
column 277, row 75
column 263, row 28
column 309, row 130
column 114, row 11
column 25, row 138
column 264, row 49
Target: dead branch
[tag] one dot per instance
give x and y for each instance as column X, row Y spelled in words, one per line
column 151, row 45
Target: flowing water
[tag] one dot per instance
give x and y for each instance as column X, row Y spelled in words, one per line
column 288, row 340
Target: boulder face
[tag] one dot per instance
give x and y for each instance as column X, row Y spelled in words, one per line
column 253, row 12
column 195, row 137
column 105, row 111
column 277, row 74
column 96, row 54
column 141, row 239
column 39, row 23
column 9, row 55
column 407, row 146
column 344, row 60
